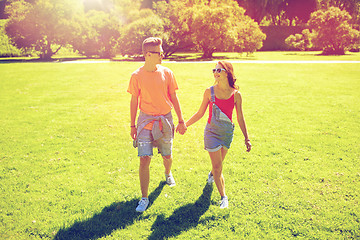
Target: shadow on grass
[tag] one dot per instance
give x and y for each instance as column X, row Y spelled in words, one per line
column 183, row 218
column 118, row 215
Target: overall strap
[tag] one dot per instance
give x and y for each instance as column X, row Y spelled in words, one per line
column 212, row 94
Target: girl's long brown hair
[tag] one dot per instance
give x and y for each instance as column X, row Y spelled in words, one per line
column 230, row 73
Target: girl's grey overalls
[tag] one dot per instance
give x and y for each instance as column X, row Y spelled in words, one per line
column 220, row 131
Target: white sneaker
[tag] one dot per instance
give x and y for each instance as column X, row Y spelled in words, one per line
column 143, row 204
column 210, row 178
column 170, row 180
column 224, row 202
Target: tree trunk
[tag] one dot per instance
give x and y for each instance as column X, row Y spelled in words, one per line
column 208, row 53
column 46, row 52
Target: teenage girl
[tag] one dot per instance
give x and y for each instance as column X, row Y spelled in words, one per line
column 222, row 98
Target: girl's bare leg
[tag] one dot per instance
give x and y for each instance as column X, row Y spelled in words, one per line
column 217, row 159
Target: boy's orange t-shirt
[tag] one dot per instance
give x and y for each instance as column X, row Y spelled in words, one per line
column 154, row 90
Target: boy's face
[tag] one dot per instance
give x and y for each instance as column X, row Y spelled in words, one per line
column 155, row 54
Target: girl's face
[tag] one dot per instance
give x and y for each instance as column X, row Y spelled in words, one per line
column 219, row 73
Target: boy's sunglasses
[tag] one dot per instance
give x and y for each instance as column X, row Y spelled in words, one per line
column 218, row 70
column 158, row 53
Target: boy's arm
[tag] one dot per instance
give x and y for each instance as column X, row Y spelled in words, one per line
column 181, row 128
column 133, row 112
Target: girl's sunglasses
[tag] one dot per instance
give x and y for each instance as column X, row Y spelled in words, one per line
column 218, row 70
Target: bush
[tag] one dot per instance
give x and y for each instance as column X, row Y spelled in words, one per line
column 300, row 41
column 332, row 31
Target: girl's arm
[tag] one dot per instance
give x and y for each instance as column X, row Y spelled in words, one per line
column 241, row 119
column 200, row 113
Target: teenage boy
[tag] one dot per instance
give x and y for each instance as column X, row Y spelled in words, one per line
column 152, row 88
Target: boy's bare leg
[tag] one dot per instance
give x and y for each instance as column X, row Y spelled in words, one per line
column 168, row 176
column 144, row 175
column 167, row 160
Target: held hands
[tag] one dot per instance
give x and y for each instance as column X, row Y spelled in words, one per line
column 181, row 128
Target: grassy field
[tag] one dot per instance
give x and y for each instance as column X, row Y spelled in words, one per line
column 69, row 171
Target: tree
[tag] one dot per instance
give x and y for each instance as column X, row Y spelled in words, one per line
column 250, row 37
column 97, row 34
column 351, row 6
column 177, row 35
column 212, row 28
column 2, row 9
column 256, row 9
column 331, row 32
column 6, row 48
column 133, row 34
column 280, row 12
column 222, row 26
column 299, row 10
column 4, row 3
column 44, row 26
column 148, row 4
column 259, row 9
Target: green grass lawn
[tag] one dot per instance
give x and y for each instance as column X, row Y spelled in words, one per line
column 69, row 171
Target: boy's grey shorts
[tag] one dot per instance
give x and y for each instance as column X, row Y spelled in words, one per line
column 146, row 143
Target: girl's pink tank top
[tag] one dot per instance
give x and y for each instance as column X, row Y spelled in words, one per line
column 225, row 105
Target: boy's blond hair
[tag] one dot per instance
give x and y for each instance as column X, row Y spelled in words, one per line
column 149, row 43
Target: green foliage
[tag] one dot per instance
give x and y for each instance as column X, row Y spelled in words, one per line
column 211, row 26
column 250, row 37
column 351, row 6
column 133, row 34
column 6, row 48
column 299, row 10
column 300, row 41
column 332, row 31
column 177, row 35
column 279, row 12
column 42, row 25
column 97, row 34
column 258, row 9
column 130, row 11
